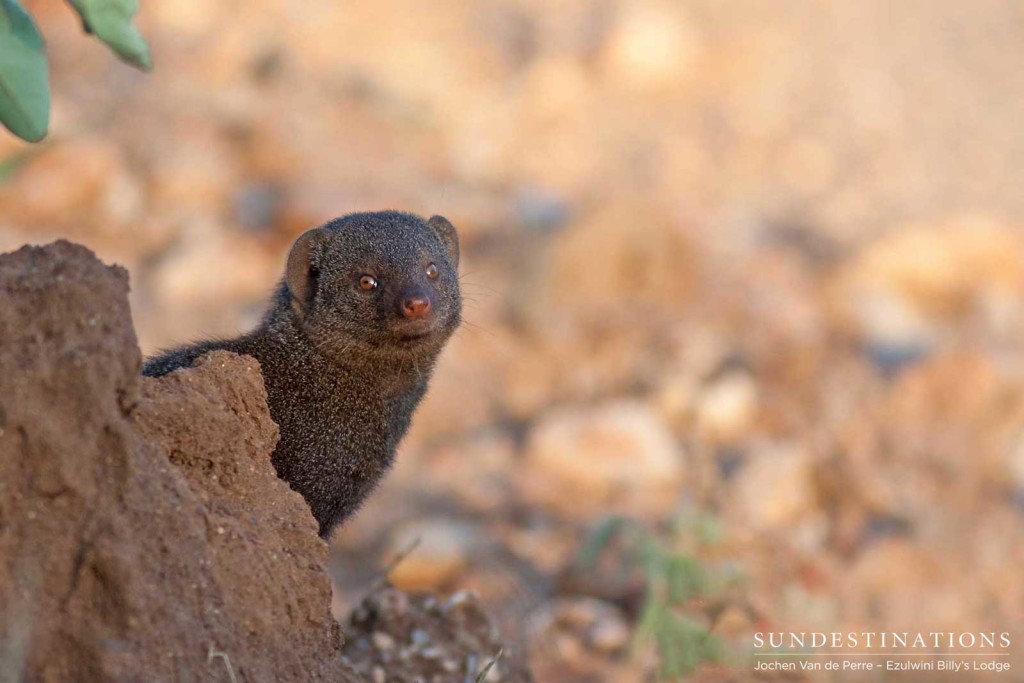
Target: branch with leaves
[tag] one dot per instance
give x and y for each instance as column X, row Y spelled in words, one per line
column 24, row 77
column 680, row 591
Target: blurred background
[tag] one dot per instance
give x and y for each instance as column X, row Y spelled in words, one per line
column 744, row 288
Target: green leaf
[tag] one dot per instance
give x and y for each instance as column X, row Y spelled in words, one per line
column 599, row 540
column 652, row 618
column 685, row 578
column 111, row 21
column 24, row 81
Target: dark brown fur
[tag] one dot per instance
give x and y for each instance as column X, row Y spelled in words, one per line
column 344, row 369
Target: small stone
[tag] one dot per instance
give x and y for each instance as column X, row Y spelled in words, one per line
column 903, row 288
column 476, row 469
column 570, row 649
column 676, row 398
column 608, row 635
column 459, row 599
column 383, row 641
column 728, row 407
column 733, row 623
column 578, row 624
column 583, row 462
column 903, row 580
column 439, row 557
column 595, row 263
column 774, row 489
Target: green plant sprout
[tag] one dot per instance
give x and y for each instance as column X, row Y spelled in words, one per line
column 675, row 582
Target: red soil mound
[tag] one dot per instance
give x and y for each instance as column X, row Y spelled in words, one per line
column 143, row 532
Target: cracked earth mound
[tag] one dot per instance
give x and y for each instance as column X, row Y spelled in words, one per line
column 143, row 532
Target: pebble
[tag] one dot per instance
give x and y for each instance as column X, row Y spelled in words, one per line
column 774, row 489
column 440, row 555
column 383, row 641
column 727, row 408
column 583, row 462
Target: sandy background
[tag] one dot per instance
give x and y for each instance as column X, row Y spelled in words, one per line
column 746, row 266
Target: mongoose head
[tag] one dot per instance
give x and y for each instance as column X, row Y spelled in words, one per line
column 382, row 283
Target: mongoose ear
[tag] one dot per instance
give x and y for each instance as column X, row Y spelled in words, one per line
column 446, row 231
column 302, row 272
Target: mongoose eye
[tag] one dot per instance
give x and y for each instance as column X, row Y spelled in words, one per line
column 367, row 283
column 432, row 271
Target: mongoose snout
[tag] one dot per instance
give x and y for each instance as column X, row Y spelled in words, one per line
column 415, row 305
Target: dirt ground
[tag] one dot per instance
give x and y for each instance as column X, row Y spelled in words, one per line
column 748, row 275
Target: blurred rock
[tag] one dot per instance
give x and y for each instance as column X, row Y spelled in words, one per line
column 775, row 488
column 676, row 398
column 619, row 456
column 727, row 408
column 734, row 623
column 584, row 633
column 625, row 256
column 906, row 288
column 560, row 359
column 600, row 624
column 653, row 45
column 441, row 550
column 476, row 470
column 906, row 454
column 907, row 584
column 548, row 547
column 609, row 635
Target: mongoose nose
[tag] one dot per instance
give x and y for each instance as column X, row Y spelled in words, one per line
column 415, row 307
